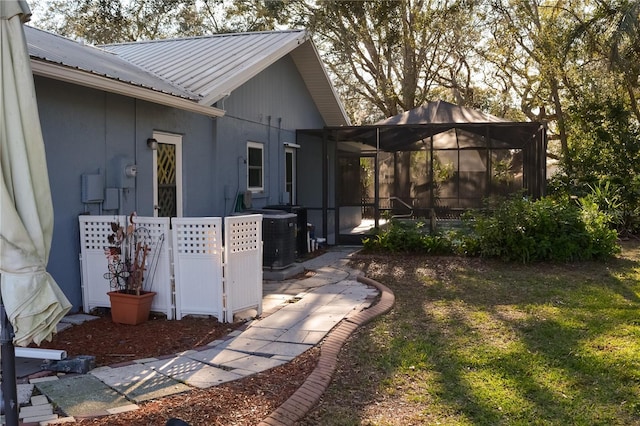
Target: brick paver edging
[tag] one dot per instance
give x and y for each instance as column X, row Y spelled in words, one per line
column 308, row 395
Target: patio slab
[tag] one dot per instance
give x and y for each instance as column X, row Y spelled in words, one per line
column 217, row 356
column 298, row 335
column 254, row 363
column 283, row 349
column 139, row 382
column 193, row 373
column 300, row 318
column 82, row 396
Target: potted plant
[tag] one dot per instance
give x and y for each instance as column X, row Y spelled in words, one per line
column 127, row 255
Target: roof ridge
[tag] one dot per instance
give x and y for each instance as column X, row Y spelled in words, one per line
column 201, row 37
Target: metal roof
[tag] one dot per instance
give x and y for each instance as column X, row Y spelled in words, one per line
column 188, row 73
column 213, row 66
column 59, row 50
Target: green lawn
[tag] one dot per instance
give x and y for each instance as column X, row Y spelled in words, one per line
column 478, row 342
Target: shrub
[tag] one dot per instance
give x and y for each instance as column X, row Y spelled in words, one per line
column 546, row 229
column 407, row 237
column 603, row 239
column 512, row 229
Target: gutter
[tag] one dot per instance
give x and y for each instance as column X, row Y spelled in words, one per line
column 98, row 82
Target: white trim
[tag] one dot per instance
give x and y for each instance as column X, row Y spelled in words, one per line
column 173, row 139
column 316, row 78
column 83, row 78
column 248, row 71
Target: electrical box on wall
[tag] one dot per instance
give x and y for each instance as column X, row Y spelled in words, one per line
column 126, row 172
column 92, row 188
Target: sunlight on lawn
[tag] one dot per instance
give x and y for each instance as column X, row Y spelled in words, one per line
column 484, row 343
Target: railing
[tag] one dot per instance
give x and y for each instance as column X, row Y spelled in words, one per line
column 192, row 266
column 410, row 214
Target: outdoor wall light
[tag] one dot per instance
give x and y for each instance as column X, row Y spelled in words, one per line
column 152, row 143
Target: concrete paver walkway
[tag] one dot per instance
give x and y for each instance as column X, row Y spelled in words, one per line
column 297, row 314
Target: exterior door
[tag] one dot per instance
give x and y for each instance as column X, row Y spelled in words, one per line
column 290, row 173
column 357, row 197
column 167, row 175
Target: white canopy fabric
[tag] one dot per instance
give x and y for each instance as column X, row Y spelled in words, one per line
column 33, row 300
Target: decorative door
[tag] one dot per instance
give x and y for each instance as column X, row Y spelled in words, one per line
column 167, row 169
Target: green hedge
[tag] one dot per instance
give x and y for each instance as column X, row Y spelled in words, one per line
column 516, row 229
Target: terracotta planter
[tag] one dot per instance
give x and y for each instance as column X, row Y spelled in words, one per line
column 129, row 308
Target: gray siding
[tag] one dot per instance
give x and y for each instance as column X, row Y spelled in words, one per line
column 267, row 109
column 87, row 131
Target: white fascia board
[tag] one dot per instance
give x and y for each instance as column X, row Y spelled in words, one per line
column 93, row 81
column 334, row 93
column 250, row 71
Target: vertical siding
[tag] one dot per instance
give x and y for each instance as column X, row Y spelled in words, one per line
column 267, row 109
column 86, row 131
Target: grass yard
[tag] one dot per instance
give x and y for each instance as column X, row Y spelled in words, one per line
column 478, row 342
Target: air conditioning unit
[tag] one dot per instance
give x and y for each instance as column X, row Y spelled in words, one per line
column 278, row 238
column 301, row 225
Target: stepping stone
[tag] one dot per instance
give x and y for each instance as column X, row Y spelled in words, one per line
column 298, row 334
column 82, row 396
column 24, row 393
column 61, row 326
column 253, row 363
column 283, row 349
column 138, row 382
column 216, row 356
column 193, row 373
column 77, row 319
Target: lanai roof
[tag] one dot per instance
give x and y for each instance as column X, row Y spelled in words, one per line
column 440, row 112
column 446, row 125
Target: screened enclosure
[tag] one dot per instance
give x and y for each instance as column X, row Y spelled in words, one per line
column 432, row 162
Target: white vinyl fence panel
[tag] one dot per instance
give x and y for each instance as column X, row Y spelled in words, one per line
column 158, row 274
column 243, row 263
column 190, row 266
column 94, row 233
column 197, row 253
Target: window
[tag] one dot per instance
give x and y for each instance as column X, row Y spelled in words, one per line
column 255, row 166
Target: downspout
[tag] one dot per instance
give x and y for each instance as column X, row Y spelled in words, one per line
column 281, row 173
column 268, row 150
